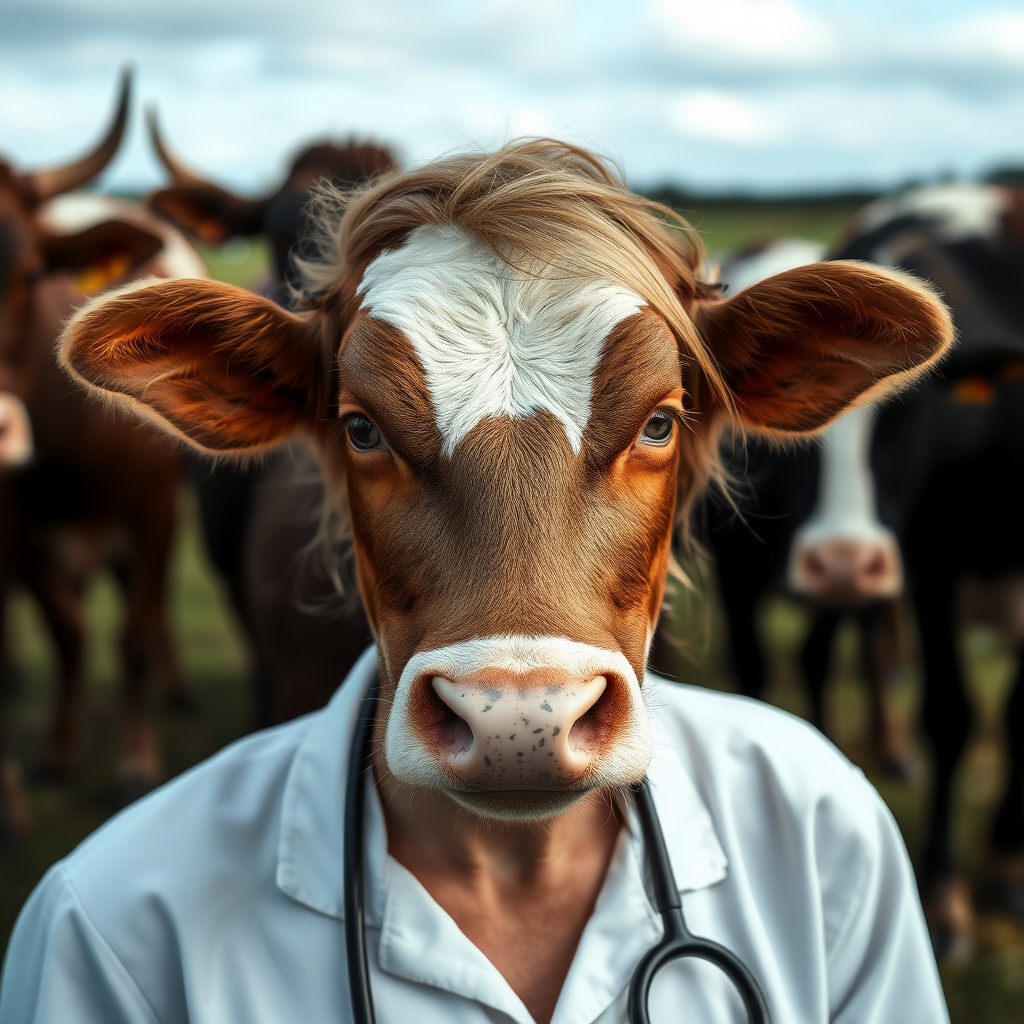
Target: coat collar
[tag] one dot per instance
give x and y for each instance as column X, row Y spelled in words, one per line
column 310, row 850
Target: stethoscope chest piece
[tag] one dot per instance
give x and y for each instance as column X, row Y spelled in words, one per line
column 679, row 942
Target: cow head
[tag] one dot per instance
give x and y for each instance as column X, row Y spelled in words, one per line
column 30, row 251
column 511, row 364
column 213, row 214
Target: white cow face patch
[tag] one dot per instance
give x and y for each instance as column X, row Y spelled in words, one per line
column 954, row 212
column 493, row 340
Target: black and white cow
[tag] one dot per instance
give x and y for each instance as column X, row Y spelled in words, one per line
column 806, row 522
column 951, row 482
column 942, row 468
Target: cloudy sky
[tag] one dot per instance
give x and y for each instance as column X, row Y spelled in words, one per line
column 712, row 94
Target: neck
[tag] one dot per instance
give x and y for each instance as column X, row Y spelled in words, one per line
column 521, row 892
column 430, row 833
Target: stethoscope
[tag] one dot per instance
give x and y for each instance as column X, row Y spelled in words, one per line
column 677, row 942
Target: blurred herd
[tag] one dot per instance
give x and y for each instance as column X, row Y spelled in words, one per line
column 909, row 514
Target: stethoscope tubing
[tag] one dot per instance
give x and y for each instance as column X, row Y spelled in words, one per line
column 359, row 763
column 676, row 943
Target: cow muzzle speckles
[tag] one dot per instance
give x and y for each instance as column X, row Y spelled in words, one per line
column 524, row 738
column 505, row 723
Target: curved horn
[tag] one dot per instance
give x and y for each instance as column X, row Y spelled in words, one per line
column 179, row 173
column 52, row 182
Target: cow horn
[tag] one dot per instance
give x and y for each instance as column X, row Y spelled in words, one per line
column 179, row 173
column 52, row 182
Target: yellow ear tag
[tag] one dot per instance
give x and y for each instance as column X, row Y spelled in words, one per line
column 973, row 390
column 103, row 274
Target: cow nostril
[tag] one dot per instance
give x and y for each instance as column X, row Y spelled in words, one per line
column 814, row 566
column 592, row 729
column 447, row 727
column 875, row 566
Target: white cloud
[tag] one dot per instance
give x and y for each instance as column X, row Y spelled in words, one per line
column 757, row 93
column 774, row 29
column 710, row 114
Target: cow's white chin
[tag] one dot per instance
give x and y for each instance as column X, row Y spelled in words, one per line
column 518, row 727
column 518, row 805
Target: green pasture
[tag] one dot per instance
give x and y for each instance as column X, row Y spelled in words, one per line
column 988, row 990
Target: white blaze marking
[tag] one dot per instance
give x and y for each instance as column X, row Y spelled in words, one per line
column 846, row 494
column 492, row 340
column 954, row 212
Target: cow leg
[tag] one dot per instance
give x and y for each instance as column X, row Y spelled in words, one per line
column 146, row 650
column 15, row 820
column 879, row 638
column 946, row 716
column 746, row 652
column 1007, row 869
column 815, row 658
column 15, row 817
column 61, row 605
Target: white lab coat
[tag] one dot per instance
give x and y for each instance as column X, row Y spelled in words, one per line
column 218, row 898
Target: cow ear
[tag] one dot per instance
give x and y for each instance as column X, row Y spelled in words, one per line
column 227, row 370
column 111, row 248
column 208, row 212
column 799, row 348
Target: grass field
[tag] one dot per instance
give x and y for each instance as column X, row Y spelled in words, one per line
column 989, row 990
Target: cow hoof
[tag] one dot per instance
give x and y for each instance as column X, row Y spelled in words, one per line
column 900, row 769
column 1006, row 884
column 10, row 681
column 949, row 912
column 51, row 771
column 15, row 817
column 182, row 701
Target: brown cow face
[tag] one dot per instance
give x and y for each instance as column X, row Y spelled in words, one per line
column 512, row 462
column 512, row 441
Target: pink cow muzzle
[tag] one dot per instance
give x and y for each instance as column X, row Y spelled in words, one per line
column 515, row 736
column 845, row 571
column 518, row 714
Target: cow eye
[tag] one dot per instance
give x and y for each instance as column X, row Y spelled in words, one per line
column 364, row 434
column 658, row 430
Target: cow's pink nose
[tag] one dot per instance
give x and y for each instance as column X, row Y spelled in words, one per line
column 15, row 431
column 848, row 570
column 509, row 735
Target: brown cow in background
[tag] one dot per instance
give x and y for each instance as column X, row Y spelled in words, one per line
column 81, row 487
column 260, row 521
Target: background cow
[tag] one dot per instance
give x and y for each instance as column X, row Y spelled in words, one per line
column 762, row 540
column 81, row 486
column 950, row 479
column 261, row 522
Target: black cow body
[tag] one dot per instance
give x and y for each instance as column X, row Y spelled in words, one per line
column 751, row 545
column 953, row 482
column 947, row 465
column 777, row 490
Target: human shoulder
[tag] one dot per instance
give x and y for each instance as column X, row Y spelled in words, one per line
column 225, row 807
column 732, row 745
column 778, row 790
